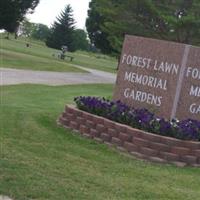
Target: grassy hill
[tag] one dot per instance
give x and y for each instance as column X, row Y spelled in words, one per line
column 15, row 54
column 41, row 161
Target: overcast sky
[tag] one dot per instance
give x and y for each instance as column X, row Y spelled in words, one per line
column 47, row 11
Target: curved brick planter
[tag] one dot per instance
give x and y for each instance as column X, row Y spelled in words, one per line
column 139, row 143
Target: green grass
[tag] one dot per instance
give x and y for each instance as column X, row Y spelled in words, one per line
column 17, row 60
column 15, row 54
column 39, row 160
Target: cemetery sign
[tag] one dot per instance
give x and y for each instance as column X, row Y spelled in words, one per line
column 161, row 76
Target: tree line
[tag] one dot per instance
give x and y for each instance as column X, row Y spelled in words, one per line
column 62, row 33
column 109, row 20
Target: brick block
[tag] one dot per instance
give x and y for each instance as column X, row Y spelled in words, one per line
column 130, row 147
column 169, row 156
column 87, row 116
column 70, row 117
column 69, row 109
column 94, row 133
column 105, row 137
column 179, row 164
column 157, row 160
column 195, row 165
column 98, row 140
column 159, row 146
column 191, row 145
column 98, row 120
column 80, row 120
column 108, row 144
column 101, row 128
column 64, row 115
column 116, row 141
column 189, row 159
column 140, row 142
column 87, row 136
column 64, row 121
column 90, row 124
column 109, row 124
column 122, row 149
column 74, row 125
column 151, row 137
column 196, row 153
column 121, row 128
column 180, row 150
column 113, row 132
column 125, row 137
column 84, row 129
column 148, row 152
column 134, row 132
column 79, row 113
column 171, row 141
column 138, row 155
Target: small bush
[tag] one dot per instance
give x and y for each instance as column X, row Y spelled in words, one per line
column 139, row 118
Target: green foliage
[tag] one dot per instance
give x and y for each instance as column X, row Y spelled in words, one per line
column 93, row 24
column 34, row 30
column 40, row 32
column 12, row 12
column 80, row 41
column 62, row 31
column 26, row 28
column 175, row 20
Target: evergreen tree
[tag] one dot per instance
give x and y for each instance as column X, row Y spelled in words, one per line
column 62, row 31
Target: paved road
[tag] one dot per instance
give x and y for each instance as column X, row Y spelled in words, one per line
column 10, row 76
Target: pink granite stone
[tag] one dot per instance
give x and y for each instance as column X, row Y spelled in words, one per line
column 153, row 74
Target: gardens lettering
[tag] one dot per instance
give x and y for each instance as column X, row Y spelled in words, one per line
column 143, row 97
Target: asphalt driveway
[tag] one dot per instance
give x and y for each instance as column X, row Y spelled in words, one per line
column 10, row 76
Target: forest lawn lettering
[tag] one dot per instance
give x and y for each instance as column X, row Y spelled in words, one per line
column 147, row 63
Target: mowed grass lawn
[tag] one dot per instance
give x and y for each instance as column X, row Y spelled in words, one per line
column 15, row 54
column 39, row 160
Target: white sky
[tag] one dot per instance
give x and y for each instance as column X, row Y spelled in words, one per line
column 47, row 11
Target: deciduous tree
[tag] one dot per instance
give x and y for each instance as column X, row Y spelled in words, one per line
column 12, row 12
column 80, row 40
column 40, row 32
column 175, row 20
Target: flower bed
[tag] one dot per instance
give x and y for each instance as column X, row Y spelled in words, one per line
column 139, row 143
column 140, row 118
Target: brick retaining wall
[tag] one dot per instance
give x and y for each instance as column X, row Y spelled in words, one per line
column 139, row 143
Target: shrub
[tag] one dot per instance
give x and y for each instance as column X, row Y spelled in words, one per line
column 139, row 118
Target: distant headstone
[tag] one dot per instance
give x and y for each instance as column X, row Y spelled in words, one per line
column 64, row 48
column 161, row 76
